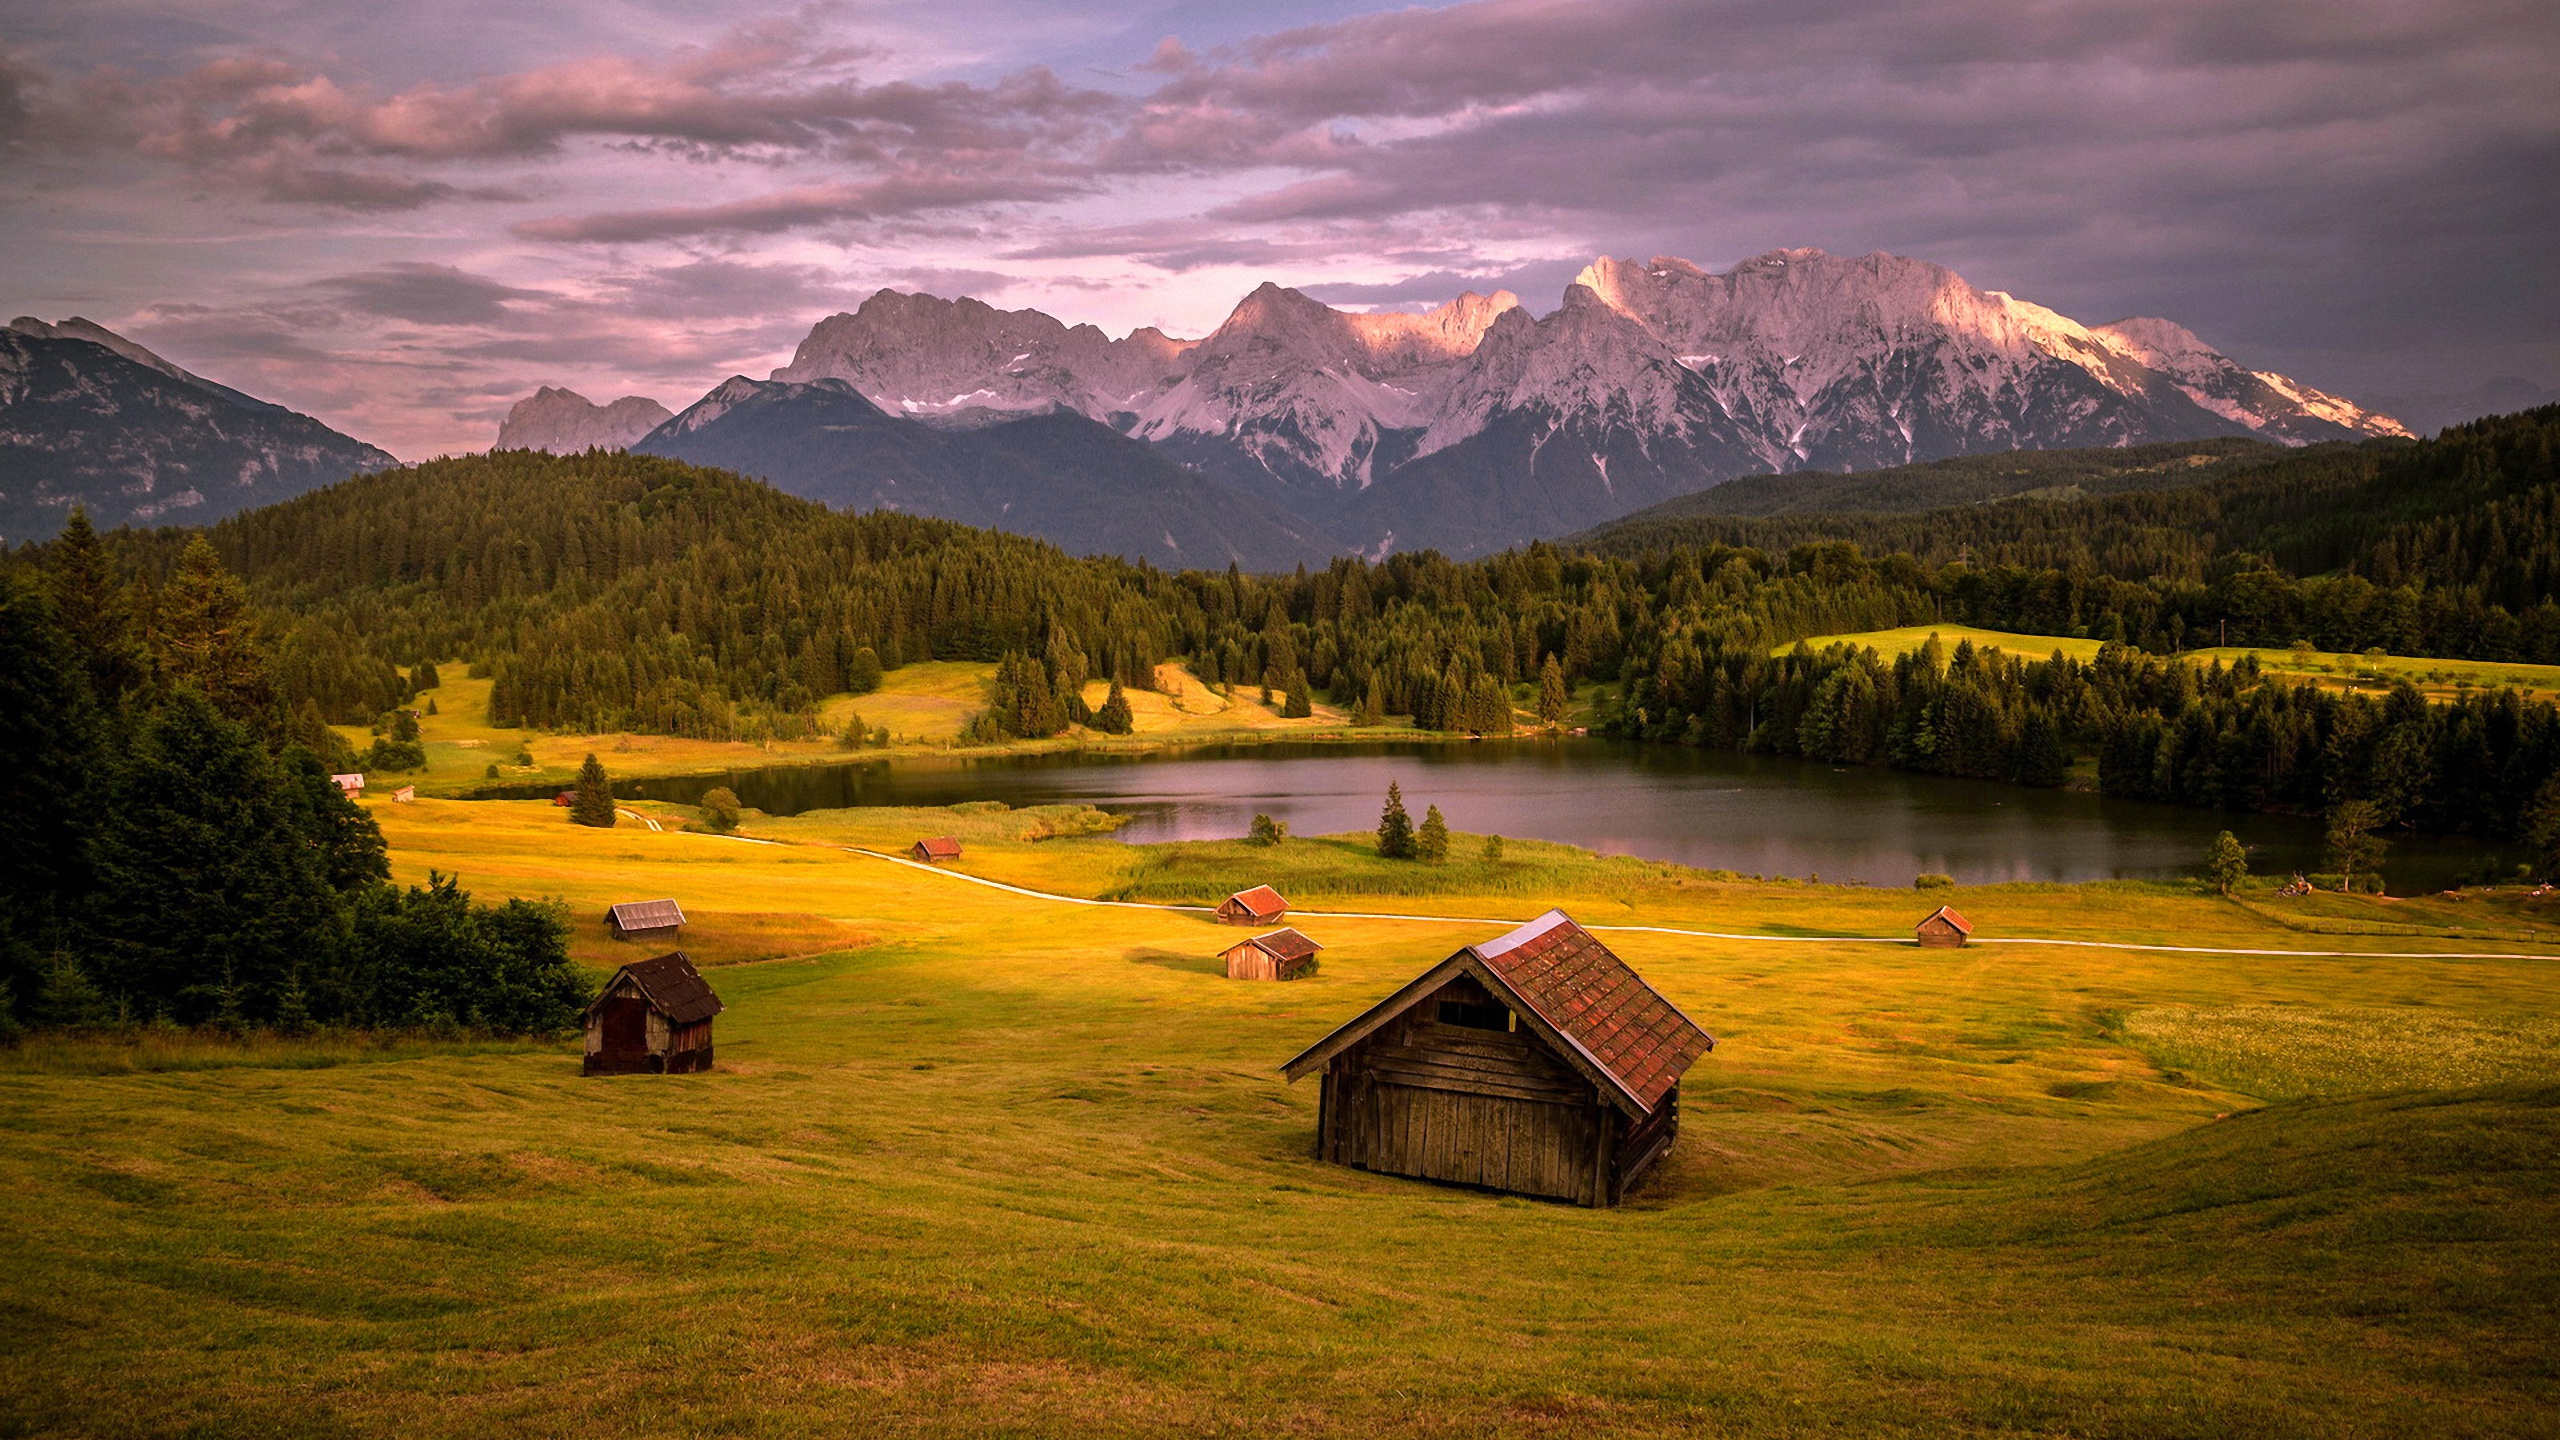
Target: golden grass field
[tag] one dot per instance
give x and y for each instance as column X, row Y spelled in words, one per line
column 991, row 1164
column 2439, row 679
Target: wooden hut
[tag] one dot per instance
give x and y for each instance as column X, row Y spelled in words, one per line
column 1284, row 954
column 935, row 849
column 350, row 785
column 653, row 1018
column 1943, row 929
column 1260, row 905
column 645, row 920
column 1538, row 1063
column 405, row 795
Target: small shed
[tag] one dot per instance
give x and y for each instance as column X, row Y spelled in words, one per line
column 1284, row 954
column 1260, row 905
column 349, row 784
column 645, row 920
column 1538, row 1063
column 565, row 799
column 1943, row 929
column 933, row 850
column 653, row 1018
column 405, row 795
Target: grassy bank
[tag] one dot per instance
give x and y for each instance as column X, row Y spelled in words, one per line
column 1009, row 1166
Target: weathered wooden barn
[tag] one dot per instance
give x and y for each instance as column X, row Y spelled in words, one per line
column 349, row 784
column 1538, row 1063
column 935, row 849
column 654, row 1018
column 1943, row 929
column 645, row 920
column 1284, row 954
column 1260, row 905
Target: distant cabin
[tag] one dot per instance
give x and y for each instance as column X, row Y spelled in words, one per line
column 1943, row 929
column 565, row 798
column 406, row 794
column 349, row 784
column 654, row 1018
column 1538, row 1063
column 935, row 850
column 645, row 920
column 1284, row 954
column 1260, row 905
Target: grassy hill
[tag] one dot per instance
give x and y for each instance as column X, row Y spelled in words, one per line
column 999, row 1165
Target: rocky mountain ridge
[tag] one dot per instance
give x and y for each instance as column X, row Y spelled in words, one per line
column 89, row 418
column 565, row 422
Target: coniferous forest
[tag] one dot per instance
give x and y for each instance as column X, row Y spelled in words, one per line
column 616, row 591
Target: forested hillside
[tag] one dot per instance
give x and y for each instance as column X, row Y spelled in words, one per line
column 619, row 591
column 1962, row 480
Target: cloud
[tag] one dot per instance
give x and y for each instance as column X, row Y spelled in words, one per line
column 805, row 205
column 426, row 294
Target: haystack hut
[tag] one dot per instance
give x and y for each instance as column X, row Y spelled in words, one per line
column 1260, row 905
column 405, row 795
column 935, row 849
column 1943, row 929
column 1284, row 954
column 653, row 1018
column 350, row 785
column 1538, row 1063
column 645, row 920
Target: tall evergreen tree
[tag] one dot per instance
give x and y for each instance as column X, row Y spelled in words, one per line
column 593, row 804
column 90, row 604
column 1431, row 843
column 1553, row 699
column 52, row 758
column 1395, row 827
column 1115, row 717
column 206, row 635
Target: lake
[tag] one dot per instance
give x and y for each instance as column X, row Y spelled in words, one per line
column 1753, row 814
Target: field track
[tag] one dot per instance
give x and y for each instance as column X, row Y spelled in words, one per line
column 1705, row 934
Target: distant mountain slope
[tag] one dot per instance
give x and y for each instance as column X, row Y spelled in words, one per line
column 1962, row 480
column 1478, row 426
column 564, row 422
column 89, row 418
column 1055, row 475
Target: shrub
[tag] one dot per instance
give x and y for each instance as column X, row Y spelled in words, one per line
column 720, row 809
column 853, row 735
column 1932, row 882
column 390, row 756
column 1267, row 831
column 1492, row 849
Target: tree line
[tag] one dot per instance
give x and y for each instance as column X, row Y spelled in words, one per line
column 174, row 850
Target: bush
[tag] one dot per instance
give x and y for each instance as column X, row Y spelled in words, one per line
column 491, row 773
column 1492, row 849
column 1267, row 831
column 854, row 734
column 720, row 809
column 1932, row 882
column 394, row 756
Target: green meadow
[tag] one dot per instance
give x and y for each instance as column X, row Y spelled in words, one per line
column 982, row 1163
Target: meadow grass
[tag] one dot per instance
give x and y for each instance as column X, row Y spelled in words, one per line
column 1017, row 1167
column 2283, row 1052
column 2439, row 679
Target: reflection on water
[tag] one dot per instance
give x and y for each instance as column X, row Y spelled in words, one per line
column 1754, row 814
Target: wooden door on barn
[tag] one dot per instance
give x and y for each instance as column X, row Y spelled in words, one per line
column 626, row 1029
column 1526, row 1146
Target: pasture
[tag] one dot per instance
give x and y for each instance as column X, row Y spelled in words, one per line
column 2438, row 679
column 976, row 1162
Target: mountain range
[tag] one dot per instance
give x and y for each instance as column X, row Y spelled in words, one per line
column 1477, row 426
column 89, row 418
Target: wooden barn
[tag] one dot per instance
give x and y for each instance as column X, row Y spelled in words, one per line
column 1943, row 929
column 933, row 850
column 1284, row 954
column 1538, row 1063
column 645, row 920
column 350, row 785
column 654, row 1018
column 1260, row 905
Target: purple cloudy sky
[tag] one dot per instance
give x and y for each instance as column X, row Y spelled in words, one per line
column 401, row 217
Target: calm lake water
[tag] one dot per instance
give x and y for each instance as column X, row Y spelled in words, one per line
column 1753, row 814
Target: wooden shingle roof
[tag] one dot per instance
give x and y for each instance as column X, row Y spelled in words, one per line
column 1948, row 914
column 646, row 914
column 1570, row 988
column 1261, row 900
column 940, row 847
column 1286, row 944
column 672, row 986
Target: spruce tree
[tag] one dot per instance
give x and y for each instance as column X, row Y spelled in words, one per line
column 1300, row 705
column 1552, row 696
column 206, row 635
column 594, row 802
column 91, row 608
column 1395, row 827
column 2226, row 864
column 53, row 755
column 1431, row 844
column 1373, row 703
column 1115, row 718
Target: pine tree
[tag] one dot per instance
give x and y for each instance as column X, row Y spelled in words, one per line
column 2226, row 864
column 1300, row 705
column 1373, row 703
column 207, row 636
column 1432, row 843
column 92, row 610
column 68, row 999
column 1395, row 827
column 594, row 803
column 1552, row 696
column 1115, row 718
column 52, row 759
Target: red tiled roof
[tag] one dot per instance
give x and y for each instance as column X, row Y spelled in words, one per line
column 1576, row 985
column 1286, row 944
column 1963, row 926
column 940, row 847
column 1261, row 900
